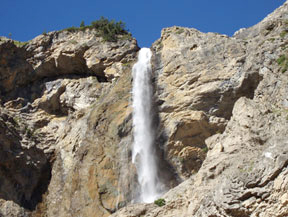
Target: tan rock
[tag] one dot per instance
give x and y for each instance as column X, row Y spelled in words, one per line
column 74, row 118
column 238, row 86
column 65, row 123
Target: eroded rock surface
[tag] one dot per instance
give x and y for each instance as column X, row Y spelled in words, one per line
column 199, row 78
column 241, row 81
column 221, row 117
column 65, row 121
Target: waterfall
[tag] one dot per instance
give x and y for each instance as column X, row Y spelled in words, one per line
column 143, row 151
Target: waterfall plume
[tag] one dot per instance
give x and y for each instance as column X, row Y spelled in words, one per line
column 143, row 151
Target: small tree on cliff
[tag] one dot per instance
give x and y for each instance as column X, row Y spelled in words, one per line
column 82, row 24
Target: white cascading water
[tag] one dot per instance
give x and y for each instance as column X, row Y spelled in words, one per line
column 143, row 152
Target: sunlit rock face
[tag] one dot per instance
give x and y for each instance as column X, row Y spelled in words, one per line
column 199, row 77
column 222, row 104
column 66, row 125
column 219, row 113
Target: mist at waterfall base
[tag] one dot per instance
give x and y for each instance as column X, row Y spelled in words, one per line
column 143, row 151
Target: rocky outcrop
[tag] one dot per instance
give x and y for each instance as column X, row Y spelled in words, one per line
column 64, row 120
column 241, row 81
column 221, row 119
column 199, row 78
column 62, row 54
column 25, row 171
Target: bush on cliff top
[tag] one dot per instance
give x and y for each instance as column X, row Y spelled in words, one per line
column 109, row 30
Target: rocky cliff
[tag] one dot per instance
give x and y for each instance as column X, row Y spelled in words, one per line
column 226, row 96
column 64, row 114
column 221, row 116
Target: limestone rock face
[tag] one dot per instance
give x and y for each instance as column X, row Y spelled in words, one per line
column 240, row 82
column 24, row 168
column 221, row 115
column 65, row 125
column 199, row 78
column 61, row 54
column 14, row 68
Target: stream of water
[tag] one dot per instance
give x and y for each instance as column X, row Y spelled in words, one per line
column 143, row 151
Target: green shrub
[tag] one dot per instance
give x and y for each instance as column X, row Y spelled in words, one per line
column 82, row 24
column 109, row 30
column 160, row 202
column 180, row 31
column 283, row 63
column 20, row 43
column 281, row 59
column 283, row 33
column 72, row 29
column 205, row 149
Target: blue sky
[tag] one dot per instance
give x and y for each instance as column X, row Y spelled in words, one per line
column 145, row 19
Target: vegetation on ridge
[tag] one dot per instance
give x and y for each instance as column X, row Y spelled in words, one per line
column 109, row 30
column 20, row 43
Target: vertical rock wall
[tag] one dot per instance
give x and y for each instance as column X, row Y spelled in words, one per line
column 228, row 94
column 65, row 123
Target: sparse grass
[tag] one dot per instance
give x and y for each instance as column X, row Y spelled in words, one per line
column 73, row 29
column 283, row 63
column 160, row 202
column 284, row 47
column 127, row 64
column 20, row 43
column 73, row 42
column 16, row 119
column 283, row 33
column 271, row 39
column 205, row 149
column 280, row 112
column 281, row 59
column 285, row 22
column 128, row 36
column 276, row 111
column 248, row 167
column 180, row 31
